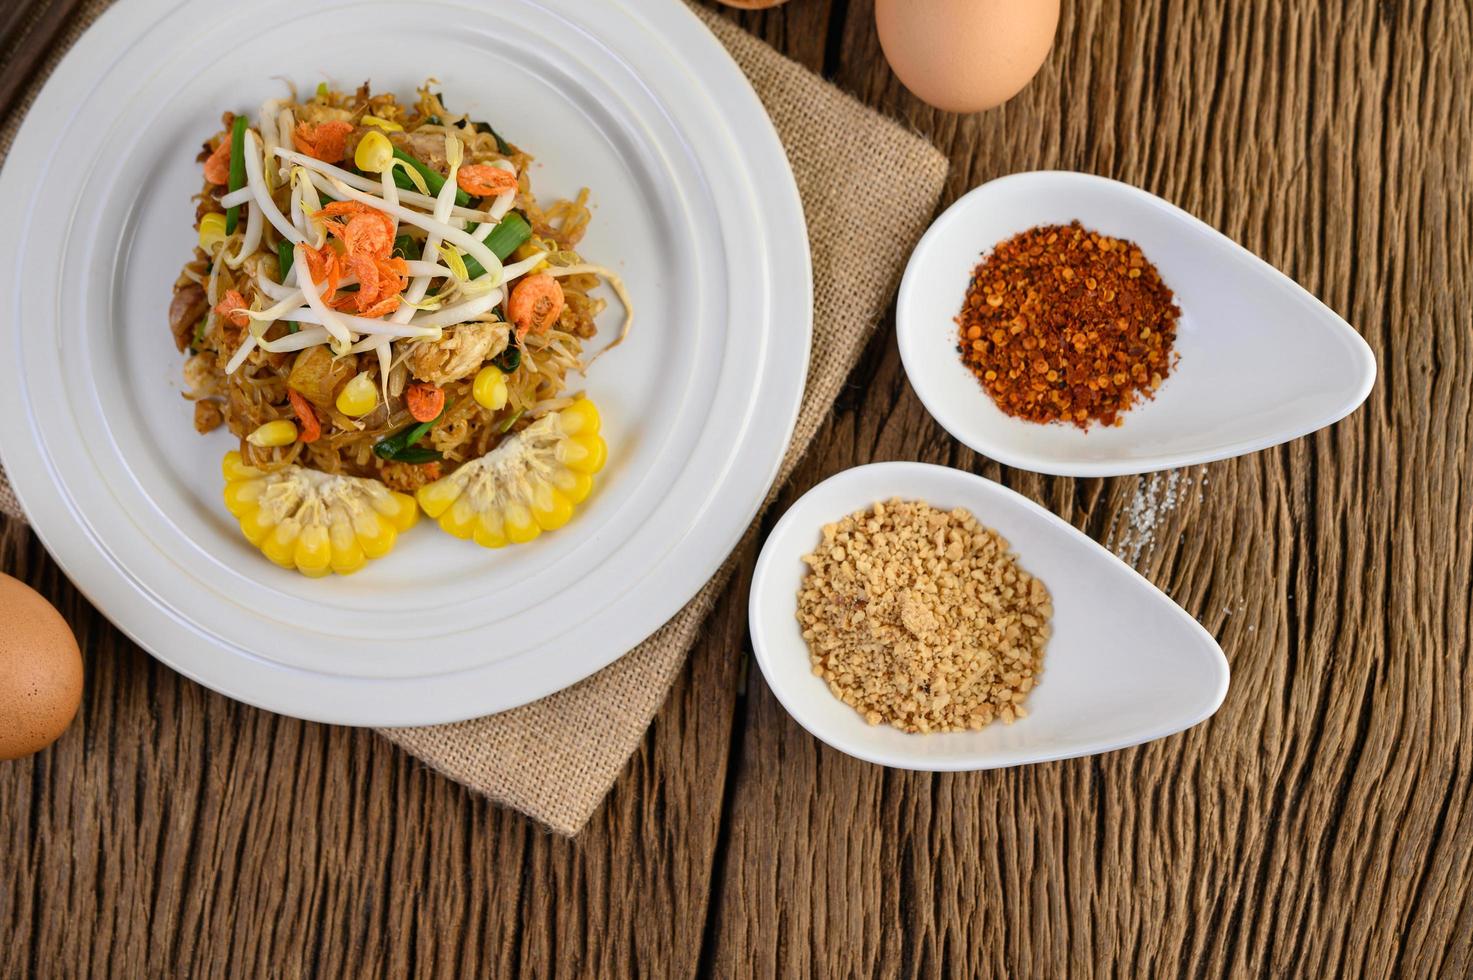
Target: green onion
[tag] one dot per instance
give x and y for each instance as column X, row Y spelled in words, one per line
column 502, row 146
column 418, row 454
column 285, row 255
column 322, row 90
column 400, row 447
column 433, row 179
column 511, row 232
column 407, row 246
column 503, row 240
column 506, row 426
column 237, row 169
column 510, row 357
column 199, row 330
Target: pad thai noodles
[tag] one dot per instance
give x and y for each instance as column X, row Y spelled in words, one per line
column 383, row 314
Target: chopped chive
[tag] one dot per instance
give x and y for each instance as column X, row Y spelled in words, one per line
column 502, row 146
column 237, row 169
column 434, row 180
column 510, row 358
column 408, row 247
column 400, row 446
column 506, row 426
column 504, row 239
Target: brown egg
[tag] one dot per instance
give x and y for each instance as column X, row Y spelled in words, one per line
column 966, row 55
column 40, row 671
column 753, row 4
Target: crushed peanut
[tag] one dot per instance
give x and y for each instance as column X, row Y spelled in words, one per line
column 923, row 619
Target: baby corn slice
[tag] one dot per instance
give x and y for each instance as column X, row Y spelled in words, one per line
column 315, row 522
column 529, row 484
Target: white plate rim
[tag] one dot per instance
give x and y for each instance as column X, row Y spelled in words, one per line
column 63, row 529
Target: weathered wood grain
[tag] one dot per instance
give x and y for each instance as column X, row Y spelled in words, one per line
column 1320, row 824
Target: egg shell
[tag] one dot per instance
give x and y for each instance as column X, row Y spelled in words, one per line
column 966, row 55
column 40, row 671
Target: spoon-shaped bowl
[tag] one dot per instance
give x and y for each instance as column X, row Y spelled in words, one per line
column 1261, row 360
column 1125, row 664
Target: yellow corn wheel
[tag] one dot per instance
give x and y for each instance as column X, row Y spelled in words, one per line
column 315, row 522
column 529, row 484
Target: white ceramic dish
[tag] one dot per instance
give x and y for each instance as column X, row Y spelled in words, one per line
column 1125, row 664
column 1262, row 361
column 693, row 202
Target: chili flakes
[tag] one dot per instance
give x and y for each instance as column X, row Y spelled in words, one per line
column 1063, row 324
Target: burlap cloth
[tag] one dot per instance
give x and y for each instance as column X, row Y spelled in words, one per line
column 869, row 189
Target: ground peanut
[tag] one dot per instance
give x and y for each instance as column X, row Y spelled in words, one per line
column 923, row 619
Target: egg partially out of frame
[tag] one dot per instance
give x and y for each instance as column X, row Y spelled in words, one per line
column 966, row 55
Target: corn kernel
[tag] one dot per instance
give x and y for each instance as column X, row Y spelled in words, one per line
column 460, row 519
column 374, row 153
column 490, row 388
column 241, row 495
column 281, row 432
column 436, row 497
column 573, row 485
column 585, row 454
column 211, row 230
column 580, row 418
column 348, row 559
column 281, row 544
column 520, row 525
column 232, row 467
column 408, row 512
column 375, row 535
column 358, row 397
column 551, row 509
column 255, row 526
column 313, row 553
column 489, row 531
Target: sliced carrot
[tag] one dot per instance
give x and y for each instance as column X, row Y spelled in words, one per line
column 217, row 167
column 326, row 141
column 311, row 428
column 484, row 180
column 424, row 401
column 535, row 304
column 228, row 306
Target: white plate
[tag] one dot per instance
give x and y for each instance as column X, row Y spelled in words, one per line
column 693, row 201
column 1262, row 361
column 1125, row 664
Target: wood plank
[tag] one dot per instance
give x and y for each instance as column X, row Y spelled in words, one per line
column 27, row 32
column 196, row 836
column 1320, row 822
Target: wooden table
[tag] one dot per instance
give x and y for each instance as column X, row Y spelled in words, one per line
column 1321, row 823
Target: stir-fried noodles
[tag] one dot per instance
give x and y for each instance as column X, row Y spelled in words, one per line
column 378, row 294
